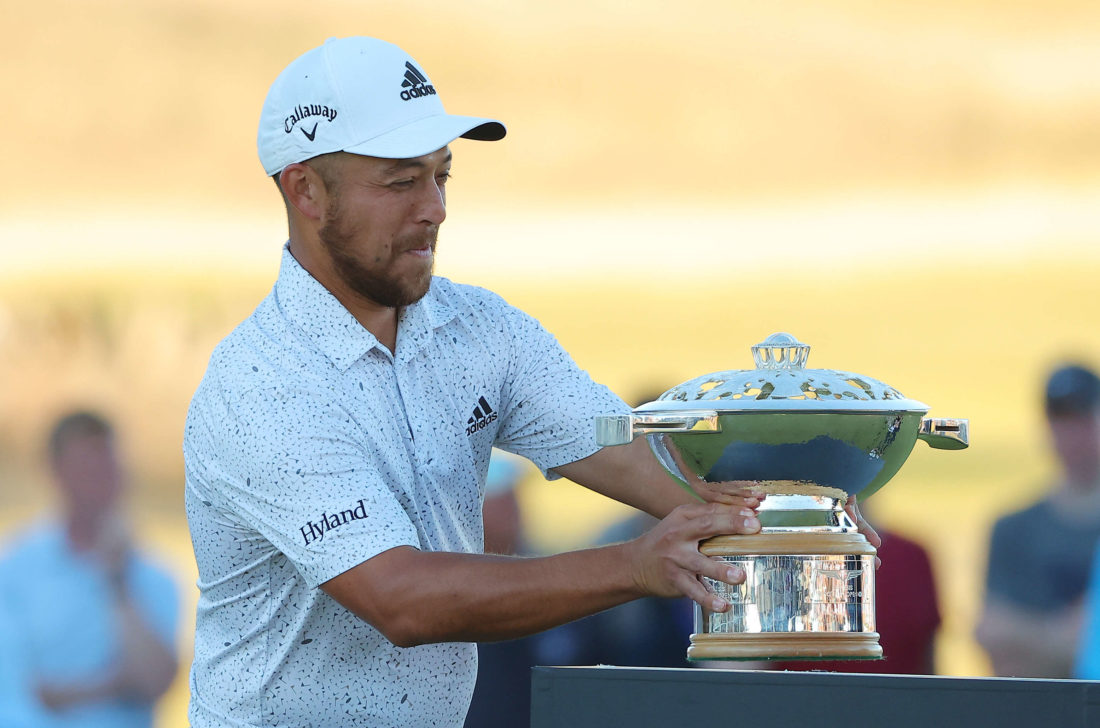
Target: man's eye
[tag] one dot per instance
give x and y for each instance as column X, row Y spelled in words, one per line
column 443, row 178
column 402, row 184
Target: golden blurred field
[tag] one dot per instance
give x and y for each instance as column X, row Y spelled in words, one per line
column 127, row 103
column 910, row 187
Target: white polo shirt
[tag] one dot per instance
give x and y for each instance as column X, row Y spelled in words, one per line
column 309, row 449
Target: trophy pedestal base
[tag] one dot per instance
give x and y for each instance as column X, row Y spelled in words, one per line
column 786, row 645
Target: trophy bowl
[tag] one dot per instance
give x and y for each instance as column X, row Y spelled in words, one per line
column 809, row 438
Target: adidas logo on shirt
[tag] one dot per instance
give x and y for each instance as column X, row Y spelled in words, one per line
column 483, row 415
column 415, row 84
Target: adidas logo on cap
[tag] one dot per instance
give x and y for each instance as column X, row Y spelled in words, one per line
column 415, row 84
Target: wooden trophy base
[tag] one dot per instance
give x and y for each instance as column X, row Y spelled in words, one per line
column 786, row 645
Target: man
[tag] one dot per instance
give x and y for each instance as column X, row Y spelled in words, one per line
column 90, row 623
column 337, row 446
column 1039, row 557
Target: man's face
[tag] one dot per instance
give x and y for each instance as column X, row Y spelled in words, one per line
column 1076, row 440
column 88, row 475
column 380, row 226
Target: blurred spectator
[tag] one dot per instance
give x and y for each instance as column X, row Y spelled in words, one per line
column 503, row 522
column 1039, row 558
column 89, row 624
column 907, row 614
column 502, row 694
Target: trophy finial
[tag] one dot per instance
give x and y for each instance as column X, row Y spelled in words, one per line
column 780, row 351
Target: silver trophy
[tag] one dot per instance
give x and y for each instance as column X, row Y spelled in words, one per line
column 809, row 438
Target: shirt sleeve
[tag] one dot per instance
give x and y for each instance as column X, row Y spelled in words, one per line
column 293, row 466
column 551, row 403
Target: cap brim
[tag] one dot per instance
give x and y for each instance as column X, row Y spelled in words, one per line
column 428, row 134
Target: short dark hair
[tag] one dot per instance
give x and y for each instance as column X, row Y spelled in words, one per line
column 83, row 423
column 1072, row 389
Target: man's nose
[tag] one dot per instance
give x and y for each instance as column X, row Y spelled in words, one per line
column 433, row 205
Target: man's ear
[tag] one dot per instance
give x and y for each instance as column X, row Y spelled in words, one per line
column 304, row 190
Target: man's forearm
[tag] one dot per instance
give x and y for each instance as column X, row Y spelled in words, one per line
column 1023, row 643
column 630, row 474
column 415, row 597
column 148, row 665
column 428, row 597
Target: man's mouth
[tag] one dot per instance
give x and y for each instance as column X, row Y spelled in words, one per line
column 424, row 249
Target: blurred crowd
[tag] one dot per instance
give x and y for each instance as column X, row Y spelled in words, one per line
column 88, row 620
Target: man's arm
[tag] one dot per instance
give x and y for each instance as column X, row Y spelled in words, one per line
column 146, row 664
column 1024, row 643
column 1024, row 636
column 631, row 474
column 414, row 597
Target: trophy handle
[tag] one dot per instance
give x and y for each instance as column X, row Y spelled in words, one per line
column 621, row 429
column 945, row 433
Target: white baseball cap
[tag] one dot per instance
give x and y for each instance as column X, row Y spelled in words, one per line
column 359, row 95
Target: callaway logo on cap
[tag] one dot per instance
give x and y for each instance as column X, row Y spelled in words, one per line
column 359, row 95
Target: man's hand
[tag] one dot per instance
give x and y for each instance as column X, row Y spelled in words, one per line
column 631, row 474
column 1024, row 642
column 738, row 493
column 666, row 561
column 742, row 493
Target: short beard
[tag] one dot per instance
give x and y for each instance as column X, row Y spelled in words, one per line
column 374, row 283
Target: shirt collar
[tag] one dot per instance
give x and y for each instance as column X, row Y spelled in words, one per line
column 335, row 332
column 416, row 323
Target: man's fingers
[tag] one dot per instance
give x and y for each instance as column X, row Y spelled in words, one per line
column 714, row 569
column 717, row 519
column 719, row 570
column 667, row 560
column 728, row 500
column 732, row 500
column 740, row 487
column 731, row 492
column 868, row 531
column 693, row 589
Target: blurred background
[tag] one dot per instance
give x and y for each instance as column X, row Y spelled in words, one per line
column 910, row 187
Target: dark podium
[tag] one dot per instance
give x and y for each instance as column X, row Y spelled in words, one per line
column 636, row 697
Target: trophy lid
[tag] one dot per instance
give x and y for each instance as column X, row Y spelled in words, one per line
column 781, row 381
